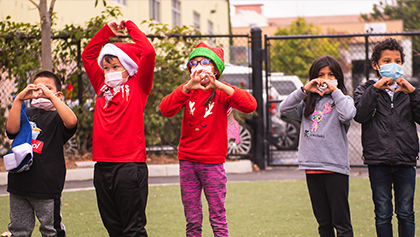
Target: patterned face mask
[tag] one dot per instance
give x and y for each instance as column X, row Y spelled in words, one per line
column 206, row 68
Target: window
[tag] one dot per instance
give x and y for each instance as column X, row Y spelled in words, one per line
column 210, row 30
column 176, row 13
column 196, row 20
column 155, row 10
column 122, row 2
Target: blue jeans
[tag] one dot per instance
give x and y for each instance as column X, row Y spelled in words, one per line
column 403, row 179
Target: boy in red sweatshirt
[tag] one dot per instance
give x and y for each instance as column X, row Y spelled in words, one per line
column 203, row 145
column 122, row 76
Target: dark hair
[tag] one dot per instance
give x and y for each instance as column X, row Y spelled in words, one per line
column 317, row 65
column 390, row 44
column 51, row 75
column 108, row 57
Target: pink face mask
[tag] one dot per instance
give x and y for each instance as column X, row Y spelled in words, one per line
column 42, row 103
column 114, row 79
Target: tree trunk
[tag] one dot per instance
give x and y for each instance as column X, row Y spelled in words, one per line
column 45, row 35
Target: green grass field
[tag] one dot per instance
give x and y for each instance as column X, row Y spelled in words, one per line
column 268, row 208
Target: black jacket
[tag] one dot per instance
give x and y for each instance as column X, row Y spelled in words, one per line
column 389, row 133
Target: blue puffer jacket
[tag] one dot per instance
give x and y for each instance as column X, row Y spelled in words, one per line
column 389, row 133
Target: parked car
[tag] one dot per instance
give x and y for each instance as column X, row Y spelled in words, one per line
column 284, row 132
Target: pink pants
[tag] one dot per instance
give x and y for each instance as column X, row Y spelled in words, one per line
column 195, row 177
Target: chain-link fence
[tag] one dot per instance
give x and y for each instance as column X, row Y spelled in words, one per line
column 293, row 55
column 80, row 95
column 287, row 59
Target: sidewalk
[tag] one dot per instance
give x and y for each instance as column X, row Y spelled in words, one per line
column 231, row 167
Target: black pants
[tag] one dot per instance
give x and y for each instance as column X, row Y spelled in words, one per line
column 121, row 193
column 329, row 197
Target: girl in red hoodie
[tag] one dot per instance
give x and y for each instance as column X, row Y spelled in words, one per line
column 203, row 145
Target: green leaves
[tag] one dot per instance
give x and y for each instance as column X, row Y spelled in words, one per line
column 295, row 56
column 20, row 60
column 172, row 52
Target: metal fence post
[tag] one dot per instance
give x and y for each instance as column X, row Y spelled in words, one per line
column 79, row 74
column 257, row 88
column 367, row 61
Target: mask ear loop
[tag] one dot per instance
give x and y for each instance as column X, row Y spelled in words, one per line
column 378, row 69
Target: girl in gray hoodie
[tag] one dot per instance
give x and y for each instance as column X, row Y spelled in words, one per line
column 325, row 112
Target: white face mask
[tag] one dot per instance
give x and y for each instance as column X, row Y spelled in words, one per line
column 334, row 82
column 114, row 79
column 323, row 87
column 199, row 66
column 42, row 103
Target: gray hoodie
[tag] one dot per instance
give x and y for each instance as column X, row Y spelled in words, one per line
column 323, row 143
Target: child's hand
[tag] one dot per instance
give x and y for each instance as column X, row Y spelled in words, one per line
column 27, row 93
column 115, row 26
column 405, row 86
column 44, row 92
column 212, row 81
column 122, row 24
column 312, row 86
column 383, row 83
column 330, row 87
column 195, row 82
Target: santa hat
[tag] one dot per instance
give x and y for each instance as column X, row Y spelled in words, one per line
column 127, row 53
column 215, row 54
column 21, row 155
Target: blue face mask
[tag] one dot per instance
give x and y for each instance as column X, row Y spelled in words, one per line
column 391, row 70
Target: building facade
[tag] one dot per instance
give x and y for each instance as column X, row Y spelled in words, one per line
column 211, row 17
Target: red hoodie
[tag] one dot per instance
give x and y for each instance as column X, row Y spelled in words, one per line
column 118, row 124
column 204, row 128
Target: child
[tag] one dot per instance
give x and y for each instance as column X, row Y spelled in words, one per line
column 325, row 111
column 388, row 109
column 122, row 76
column 203, row 144
column 38, row 190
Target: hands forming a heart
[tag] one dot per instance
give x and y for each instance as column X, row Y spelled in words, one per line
column 116, row 26
column 385, row 82
column 320, row 86
column 201, row 80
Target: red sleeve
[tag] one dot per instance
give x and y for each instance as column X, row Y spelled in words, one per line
column 242, row 101
column 147, row 56
column 91, row 53
column 173, row 103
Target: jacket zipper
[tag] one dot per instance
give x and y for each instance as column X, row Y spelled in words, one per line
column 392, row 129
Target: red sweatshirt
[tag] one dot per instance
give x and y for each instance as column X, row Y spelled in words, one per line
column 118, row 124
column 204, row 128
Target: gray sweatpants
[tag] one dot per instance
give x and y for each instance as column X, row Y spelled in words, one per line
column 22, row 216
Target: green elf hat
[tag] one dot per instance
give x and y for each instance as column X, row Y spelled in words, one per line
column 215, row 54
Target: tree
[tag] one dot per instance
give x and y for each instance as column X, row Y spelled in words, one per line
column 20, row 47
column 295, row 56
column 409, row 12
column 45, row 17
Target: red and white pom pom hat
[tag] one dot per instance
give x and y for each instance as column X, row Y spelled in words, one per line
column 127, row 53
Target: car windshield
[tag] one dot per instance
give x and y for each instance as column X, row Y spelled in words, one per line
column 240, row 80
column 284, row 87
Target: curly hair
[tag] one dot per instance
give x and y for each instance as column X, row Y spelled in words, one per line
column 390, row 44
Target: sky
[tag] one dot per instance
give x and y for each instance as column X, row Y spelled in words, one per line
column 302, row 8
